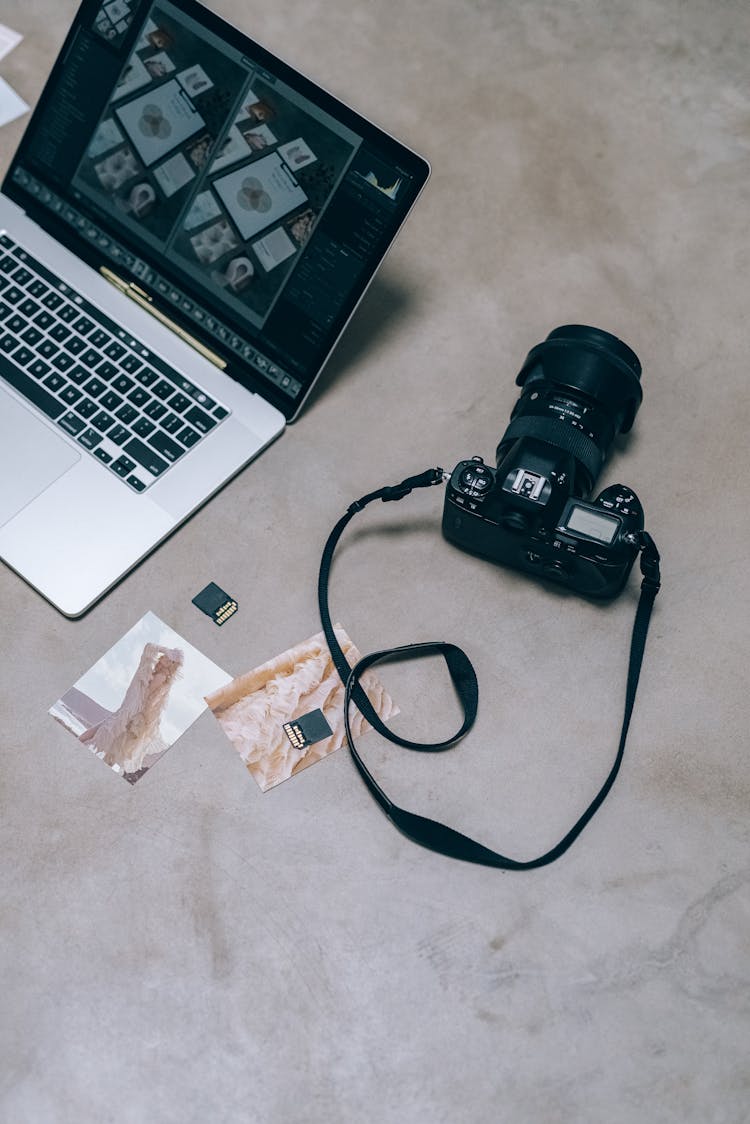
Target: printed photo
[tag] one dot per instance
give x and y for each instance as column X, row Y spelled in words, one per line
column 259, row 194
column 288, row 713
column 159, row 121
column 139, row 698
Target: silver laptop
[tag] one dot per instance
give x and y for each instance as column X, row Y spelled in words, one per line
column 185, row 230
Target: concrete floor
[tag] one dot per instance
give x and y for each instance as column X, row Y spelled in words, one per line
column 192, row 950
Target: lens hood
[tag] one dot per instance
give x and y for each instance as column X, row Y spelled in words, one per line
column 592, row 362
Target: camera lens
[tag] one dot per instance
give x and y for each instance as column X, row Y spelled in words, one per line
column 581, row 387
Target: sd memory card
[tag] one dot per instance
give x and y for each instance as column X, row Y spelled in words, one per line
column 215, row 603
column 308, row 729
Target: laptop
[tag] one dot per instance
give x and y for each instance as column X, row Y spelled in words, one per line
column 185, row 230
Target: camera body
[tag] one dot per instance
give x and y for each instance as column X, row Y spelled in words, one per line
column 532, row 512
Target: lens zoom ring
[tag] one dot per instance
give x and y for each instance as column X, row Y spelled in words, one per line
column 562, row 436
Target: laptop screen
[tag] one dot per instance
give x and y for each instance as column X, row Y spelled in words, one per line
column 252, row 206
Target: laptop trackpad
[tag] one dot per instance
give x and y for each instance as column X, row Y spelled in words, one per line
column 39, row 456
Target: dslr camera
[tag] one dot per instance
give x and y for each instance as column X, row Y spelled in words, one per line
column 580, row 389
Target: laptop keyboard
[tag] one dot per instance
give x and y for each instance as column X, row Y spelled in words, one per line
column 115, row 398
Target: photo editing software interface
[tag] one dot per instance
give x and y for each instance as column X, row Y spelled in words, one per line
column 219, row 188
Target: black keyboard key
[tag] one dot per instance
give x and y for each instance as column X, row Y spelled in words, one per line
column 163, row 389
column 171, row 423
column 136, row 484
column 141, row 453
column 8, row 343
column 99, row 339
column 28, row 307
column 110, row 400
column 68, row 313
column 31, row 390
column 38, row 289
column 166, row 446
column 70, row 395
column 95, row 387
column 90, row 439
column 78, row 374
column 127, row 413
column 48, row 348
column 71, row 424
column 22, row 276
column 63, row 361
column 115, row 350
column 44, row 319
column 179, row 403
column 119, row 434
column 155, row 410
column 31, row 335
column 122, row 384
column 86, row 408
column 123, row 465
column 75, row 345
column 13, row 295
column 54, row 381
column 106, row 370
column 91, row 357
column 39, row 368
column 60, row 332
column 188, row 437
column 146, row 377
column 5, row 310
column 143, row 427
column 16, row 324
column 103, row 455
column 131, row 364
column 102, row 421
column 199, row 420
column 52, row 300
column 22, row 356
column 83, row 325
column 139, row 396
column 7, row 263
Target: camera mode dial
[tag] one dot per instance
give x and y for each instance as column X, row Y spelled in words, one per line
column 475, row 479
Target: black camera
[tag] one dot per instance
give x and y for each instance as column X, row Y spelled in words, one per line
column 581, row 388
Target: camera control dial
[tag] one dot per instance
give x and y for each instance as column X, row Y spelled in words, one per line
column 475, row 479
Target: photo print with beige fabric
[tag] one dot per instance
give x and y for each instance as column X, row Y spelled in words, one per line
column 139, row 698
column 289, row 712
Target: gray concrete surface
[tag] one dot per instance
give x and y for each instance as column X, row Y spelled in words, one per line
column 191, row 950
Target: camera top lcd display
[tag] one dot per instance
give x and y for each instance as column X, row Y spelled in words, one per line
column 593, row 524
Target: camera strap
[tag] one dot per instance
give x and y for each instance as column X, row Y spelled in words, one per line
column 426, row 832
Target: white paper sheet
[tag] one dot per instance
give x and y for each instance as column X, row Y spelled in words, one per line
column 8, row 40
column 11, row 105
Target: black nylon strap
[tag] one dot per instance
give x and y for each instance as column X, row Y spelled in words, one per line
column 426, row 832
